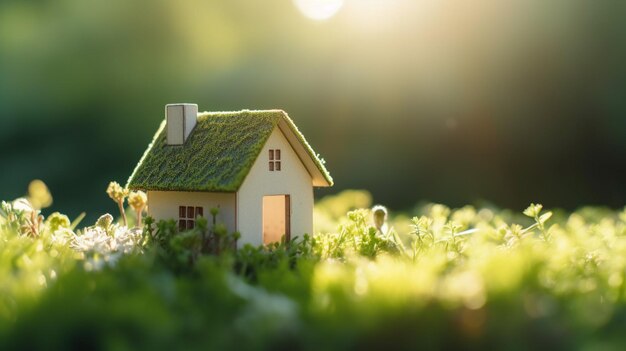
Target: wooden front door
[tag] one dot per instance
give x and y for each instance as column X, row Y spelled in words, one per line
column 276, row 218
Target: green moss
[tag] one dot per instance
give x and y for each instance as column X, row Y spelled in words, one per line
column 217, row 156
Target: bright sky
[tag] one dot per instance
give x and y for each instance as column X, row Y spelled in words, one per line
column 319, row 9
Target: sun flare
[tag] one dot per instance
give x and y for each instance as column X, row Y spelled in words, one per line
column 319, row 9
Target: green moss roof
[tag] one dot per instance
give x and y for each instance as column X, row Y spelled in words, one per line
column 217, row 155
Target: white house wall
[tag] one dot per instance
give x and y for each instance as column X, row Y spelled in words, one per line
column 164, row 205
column 293, row 179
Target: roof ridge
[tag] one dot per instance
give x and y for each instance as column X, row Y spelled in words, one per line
column 240, row 111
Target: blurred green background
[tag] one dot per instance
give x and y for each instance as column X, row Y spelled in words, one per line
column 451, row 101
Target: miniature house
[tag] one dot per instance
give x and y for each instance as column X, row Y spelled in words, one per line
column 255, row 166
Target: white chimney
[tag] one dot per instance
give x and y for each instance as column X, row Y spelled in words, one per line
column 181, row 118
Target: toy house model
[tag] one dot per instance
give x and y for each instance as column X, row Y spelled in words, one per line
column 255, row 166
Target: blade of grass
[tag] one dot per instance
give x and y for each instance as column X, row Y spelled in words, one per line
column 77, row 221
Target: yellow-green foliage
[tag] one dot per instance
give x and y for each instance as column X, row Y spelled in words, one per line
column 116, row 192
column 217, row 155
column 477, row 278
column 28, row 265
column 137, row 200
column 581, row 256
column 331, row 210
column 57, row 221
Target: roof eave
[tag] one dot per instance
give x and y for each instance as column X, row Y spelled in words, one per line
column 315, row 166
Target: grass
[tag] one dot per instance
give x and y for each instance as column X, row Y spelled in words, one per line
column 437, row 278
column 217, row 156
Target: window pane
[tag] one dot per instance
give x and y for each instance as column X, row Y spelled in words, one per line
column 271, row 165
column 278, row 154
column 181, row 211
column 277, row 165
column 189, row 224
column 181, row 224
column 190, row 212
column 199, row 212
column 271, row 154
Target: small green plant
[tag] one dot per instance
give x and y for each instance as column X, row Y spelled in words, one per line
column 534, row 211
column 138, row 201
column 57, row 221
column 422, row 235
column 379, row 216
column 118, row 194
column 183, row 249
column 214, row 211
column 38, row 194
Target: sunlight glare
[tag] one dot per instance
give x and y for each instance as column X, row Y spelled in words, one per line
column 319, row 9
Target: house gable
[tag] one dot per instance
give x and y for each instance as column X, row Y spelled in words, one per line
column 292, row 179
column 319, row 175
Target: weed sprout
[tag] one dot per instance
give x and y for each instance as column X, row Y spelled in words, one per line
column 57, row 221
column 379, row 214
column 138, row 200
column 38, row 194
column 118, row 194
